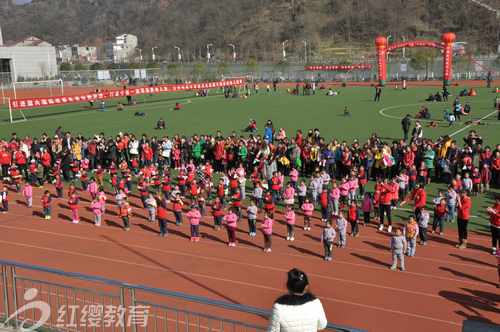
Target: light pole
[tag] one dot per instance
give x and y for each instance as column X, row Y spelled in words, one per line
column 153, row 53
column 140, row 53
column 178, row 53
column 404, row 48
column 387, row 54
column 305, row 51
column 208, row 52
column 284, row 54
column 234, row 52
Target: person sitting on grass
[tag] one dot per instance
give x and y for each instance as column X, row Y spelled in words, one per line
column 177, row 107
column 252, row 126
column 438, row 96
column 346, row 111
column 140, row 114
column 160, row 125
column 120, row 106
column 431, row 97
column 423, row 114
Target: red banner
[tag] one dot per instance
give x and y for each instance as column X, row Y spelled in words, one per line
column 339, row 67
column 53, row 101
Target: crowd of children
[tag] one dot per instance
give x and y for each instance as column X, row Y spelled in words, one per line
column 339, row 174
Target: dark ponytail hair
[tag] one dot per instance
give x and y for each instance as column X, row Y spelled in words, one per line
column 297, row 281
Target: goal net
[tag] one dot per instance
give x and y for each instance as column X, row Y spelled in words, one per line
column 31, row 89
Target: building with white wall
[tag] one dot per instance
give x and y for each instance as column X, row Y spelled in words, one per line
column 74, row 53
column 121, row 47
column 28, row 58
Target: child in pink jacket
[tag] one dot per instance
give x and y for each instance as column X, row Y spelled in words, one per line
column 267, row 230
column 28, row 193
column 343, row 191
column 96, row 210
column 294, row 177
column 290, row 223
column 307, row 209
column 335, row 195
column 92, row 188
column 367, row 207
column 289, row 194
column 231, row 220
column 194, row 220
column 353, row 185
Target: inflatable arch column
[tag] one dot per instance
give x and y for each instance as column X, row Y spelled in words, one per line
column 381, row 43
column 448, row 39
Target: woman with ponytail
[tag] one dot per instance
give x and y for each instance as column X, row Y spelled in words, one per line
column 299, row 310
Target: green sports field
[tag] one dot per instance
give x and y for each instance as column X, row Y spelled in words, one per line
column 207, row 115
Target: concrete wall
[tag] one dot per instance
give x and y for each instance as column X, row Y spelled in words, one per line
column 30, row 61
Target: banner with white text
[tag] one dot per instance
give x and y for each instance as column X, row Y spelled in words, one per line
column 87, row 97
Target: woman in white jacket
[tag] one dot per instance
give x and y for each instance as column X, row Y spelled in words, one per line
column 133, row 146
column 299, row 310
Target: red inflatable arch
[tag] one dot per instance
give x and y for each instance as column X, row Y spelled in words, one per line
column 446, row 46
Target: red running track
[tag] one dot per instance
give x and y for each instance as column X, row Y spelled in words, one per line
column 440, row 288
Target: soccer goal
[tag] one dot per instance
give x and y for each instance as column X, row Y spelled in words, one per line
column 5, row 106
column 52, row 88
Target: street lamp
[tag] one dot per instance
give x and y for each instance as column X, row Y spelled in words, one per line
column 153, row 53
column 178, row 53
column 404, row 48
column 305, row 51
column 140, row 53
column 208, row 51
column 284, row 54
column 387, row 54
column 234, row 52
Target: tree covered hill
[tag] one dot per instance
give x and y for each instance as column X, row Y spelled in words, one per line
column 331, row 28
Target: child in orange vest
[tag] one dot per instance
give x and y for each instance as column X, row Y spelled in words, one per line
column 353, row 216
column 73, row 204
column 411, row 231
column 125, row 212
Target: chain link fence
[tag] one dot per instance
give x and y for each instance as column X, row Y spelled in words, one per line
column 397, row 69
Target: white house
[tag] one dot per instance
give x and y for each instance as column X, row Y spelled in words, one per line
column 121, row 47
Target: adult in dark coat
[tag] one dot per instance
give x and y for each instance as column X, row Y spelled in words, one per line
column 406, row 124
column 65, row 164
column 378, row 91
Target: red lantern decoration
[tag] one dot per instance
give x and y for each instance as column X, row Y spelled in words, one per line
column 448, row 38
column 381, row 42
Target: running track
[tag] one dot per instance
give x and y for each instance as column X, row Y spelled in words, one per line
column 440, row 288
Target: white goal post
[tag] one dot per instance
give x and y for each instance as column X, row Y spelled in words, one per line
column 55, row 87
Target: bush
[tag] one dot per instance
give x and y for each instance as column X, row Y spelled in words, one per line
column 64, row 66
column 419, row 61
column 134, row 65
column 113, row 66
column 96, row 66
column 79, row 66
column 152, row 64
column 173, row 66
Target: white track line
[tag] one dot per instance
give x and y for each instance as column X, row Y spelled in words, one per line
column 215, row 259
column 164, row 103
column 328, row 277
column 280, row 253
column 231, row 280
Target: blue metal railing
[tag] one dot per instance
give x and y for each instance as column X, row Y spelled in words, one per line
column 11, row 295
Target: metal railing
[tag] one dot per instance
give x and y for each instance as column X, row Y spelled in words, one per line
column 87, row 303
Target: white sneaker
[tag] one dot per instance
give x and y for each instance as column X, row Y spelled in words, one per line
column 75, row 221
column 494, row 251
column 308, row 228
column 381, row 227
column 288, row 238
column 389, row 229
column 292, row 238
